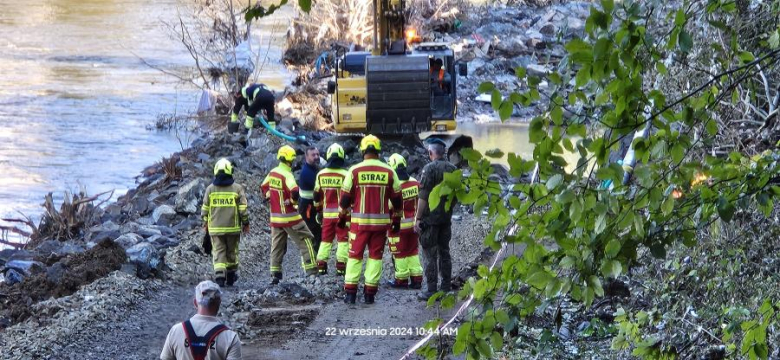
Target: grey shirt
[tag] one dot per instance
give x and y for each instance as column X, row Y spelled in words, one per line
column 227, row 345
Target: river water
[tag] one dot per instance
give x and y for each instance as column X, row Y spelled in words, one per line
column 76, row 100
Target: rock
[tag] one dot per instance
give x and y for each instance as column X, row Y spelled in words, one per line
column 128, row 240
column 55, row 272
column 511, row 47
column 163, row 215
column 285, row 107
column 295, row 290
column 203, row 157
column 147, row 259
column 106, row 226
column 6, row 254
column 147, row 220
column 537, row 70
column 189, row 196
column 143, row 230
column 139, row 204
column 105, row 235
column 16, row 270
column 575, row 27
column 548, row 30
column 162, row 242
column 129, row 269
column 48, row 248
column 22, row 255
column 70, row 249
column 537, row 44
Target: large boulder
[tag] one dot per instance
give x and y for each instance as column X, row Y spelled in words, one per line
column 189, row 196
column 163, row 215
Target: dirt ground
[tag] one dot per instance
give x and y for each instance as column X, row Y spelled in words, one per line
column 280, row 326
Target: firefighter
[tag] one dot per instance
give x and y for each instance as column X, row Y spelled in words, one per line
column 403, row 243
column 280, row 189
column 224, row 216
column 255, row 98
column 367, row 188
column 326, row 199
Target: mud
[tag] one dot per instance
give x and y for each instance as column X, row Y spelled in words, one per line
column 76, row 271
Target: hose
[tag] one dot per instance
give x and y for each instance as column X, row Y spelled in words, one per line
column 299, row 139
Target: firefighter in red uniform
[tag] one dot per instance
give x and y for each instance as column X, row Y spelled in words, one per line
column 327, row 189
column 367, row 189
column 403, row 243
column 280, row 188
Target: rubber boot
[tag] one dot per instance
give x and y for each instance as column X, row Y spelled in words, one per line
column 233, row 127
column 276, row 277
column 232, row 277
column 415, row 283
column 398, row 284
column 368, row 299
column 425, row 295
column 322, row 266
column 350, row 298
column 220, row 281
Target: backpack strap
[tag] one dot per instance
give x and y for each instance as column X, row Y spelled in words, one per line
column 199, row 345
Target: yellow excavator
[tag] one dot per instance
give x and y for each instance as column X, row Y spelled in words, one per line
column 399, row 87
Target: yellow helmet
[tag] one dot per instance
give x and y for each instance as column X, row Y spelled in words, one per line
column 223, row 165
column 396, row 160
column 286, row 153
column 335, row 150
column 370, row 141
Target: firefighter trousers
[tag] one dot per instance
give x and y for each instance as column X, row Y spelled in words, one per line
column 332, row 233
column 301, row 236
column 225, row 253
column 404, row 247
column 358, row 241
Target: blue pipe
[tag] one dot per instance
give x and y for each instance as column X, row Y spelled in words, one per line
column 300, row 138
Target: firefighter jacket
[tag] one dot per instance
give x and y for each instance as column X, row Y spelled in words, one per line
column 410, row 190
column 224, row 209
column 367, row 189
column 327, row 189
column 281, row 190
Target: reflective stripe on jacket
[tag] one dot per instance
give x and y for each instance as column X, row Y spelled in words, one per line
column 278, row 187
column 370, row 185
column 224, row 209
column 328, row 185
column 410, row 190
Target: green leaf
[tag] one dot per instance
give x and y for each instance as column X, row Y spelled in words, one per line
column 258, row 11
column 685, row 40
column 583, row 76
column 495, row 99
column 434, row 198
column 712, row 127
column 774, row 40
column 725, row 209
column 668, row 205
column 520, row 72
column 497, row 340
column 595, row 283
column 485, row 87
column 612, row 248
column 661, row 68
column 557, row 115
column 554, row 181
column 746, row 56
column 470, row 154
column 539, row 279
column 305, row 5
column 761, row 350
column 484, row 348
column 601, row 223
column 577, row 45
column 536, row 130
column 679, row 17
column 505, row 110
column 608, row 5
column 611, row 268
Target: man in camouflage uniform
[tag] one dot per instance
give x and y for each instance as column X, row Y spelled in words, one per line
column 434, row 226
